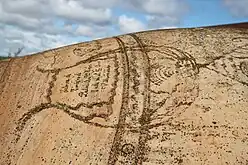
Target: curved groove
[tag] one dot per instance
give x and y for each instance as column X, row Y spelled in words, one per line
column 27, row 116
column 225, row 75
column 145, row 118
column 45, row 106
column 113, row 156
column 90, row 59
column 66, row 108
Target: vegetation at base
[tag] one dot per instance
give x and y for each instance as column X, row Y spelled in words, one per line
column 3, row 57
column 12, row 54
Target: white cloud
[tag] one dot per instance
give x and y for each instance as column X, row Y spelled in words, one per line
column 44, row 24
column 128, row 24
column 237, row 7
column 164, row 7
column 13, row 38
column 34, row 14
column 169, row 27
column 159, row 12
column 84, row 31
column 99, row 4
column 74, row 11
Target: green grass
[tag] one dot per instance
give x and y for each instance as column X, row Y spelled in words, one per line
column 2, row 57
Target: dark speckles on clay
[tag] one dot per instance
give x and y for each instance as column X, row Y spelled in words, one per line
column 181, row 102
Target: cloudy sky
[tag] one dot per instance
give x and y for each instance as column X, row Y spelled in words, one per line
column 42, row 24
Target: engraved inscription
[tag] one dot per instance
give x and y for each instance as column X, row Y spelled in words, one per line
column 92, row 85
column 97, row 77
column 169, row 103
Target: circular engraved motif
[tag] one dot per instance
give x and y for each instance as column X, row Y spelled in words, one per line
column 87, row 48
column 244, row 67
column 173, row 63
column 78, row 52
column 127, row 149
column 161, row 73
